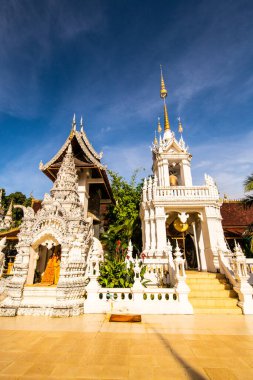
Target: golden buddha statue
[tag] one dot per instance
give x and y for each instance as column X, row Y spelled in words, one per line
column 173, row 180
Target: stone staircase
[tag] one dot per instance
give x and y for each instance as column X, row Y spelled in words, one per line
column 211, row 293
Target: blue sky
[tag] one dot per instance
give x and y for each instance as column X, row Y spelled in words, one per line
column 100, row 59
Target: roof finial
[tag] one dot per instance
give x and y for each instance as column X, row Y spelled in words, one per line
column 74, row 122
column 81, row 124
column 163, row 91
column 159, row 127
column 163, row 94
column 180, row 127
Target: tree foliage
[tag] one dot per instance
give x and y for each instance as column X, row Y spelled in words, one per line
column 248, row 187
column 114, row 272
column 17, row 198
column 123, row 216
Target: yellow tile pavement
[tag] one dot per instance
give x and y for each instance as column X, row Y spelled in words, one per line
column 161, row 347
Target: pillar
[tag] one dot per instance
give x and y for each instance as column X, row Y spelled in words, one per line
column 186, row 173
column 160, row 220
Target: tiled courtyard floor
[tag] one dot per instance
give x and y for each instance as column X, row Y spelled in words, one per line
column 161, row 347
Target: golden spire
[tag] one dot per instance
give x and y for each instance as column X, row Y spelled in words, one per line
column 159, row 127
column 180, row 127
column 166, row 118
column 163, row 94
column 163, row 91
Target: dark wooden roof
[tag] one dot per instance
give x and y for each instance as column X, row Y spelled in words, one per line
column 235, row 219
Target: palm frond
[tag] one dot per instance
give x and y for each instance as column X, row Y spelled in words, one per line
column 247, row 201
column 248, row 183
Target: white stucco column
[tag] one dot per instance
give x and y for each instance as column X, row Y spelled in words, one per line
column 32, row 266
column 201, row 246
column 186, row 173
column 160, row 220
column 160, row 174
column 147, row 231
column 213, row 236
column 166, row 173
column 83, row 190
column 152, row 230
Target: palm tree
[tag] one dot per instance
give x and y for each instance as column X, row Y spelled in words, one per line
column 248, row 186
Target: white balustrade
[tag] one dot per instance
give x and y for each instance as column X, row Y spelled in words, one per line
column 129, row 300
column 234, row 266
column 181, row 192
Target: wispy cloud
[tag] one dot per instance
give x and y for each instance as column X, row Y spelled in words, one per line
column 228, row 160
column 22, row 172
column 29, row 32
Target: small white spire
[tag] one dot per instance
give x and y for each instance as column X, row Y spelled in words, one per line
column 81, row 124
column 74, row 122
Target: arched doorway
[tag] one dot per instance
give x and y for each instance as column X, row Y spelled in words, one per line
column 184, row 234
column 44, row 261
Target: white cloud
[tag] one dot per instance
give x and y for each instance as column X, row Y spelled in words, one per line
column 228, row 160
column 22, row 173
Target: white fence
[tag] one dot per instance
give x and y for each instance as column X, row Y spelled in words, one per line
column 137, row 301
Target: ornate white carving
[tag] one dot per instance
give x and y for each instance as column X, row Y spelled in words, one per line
column 183, row 217
column 60, row 221
column 2, row 256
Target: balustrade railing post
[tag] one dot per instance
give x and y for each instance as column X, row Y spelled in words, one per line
column 243, row 288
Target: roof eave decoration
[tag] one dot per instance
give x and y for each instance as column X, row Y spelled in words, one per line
column 89, row 145
column 94, row 160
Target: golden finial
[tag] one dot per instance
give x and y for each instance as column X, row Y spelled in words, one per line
column 159, row 127
column 163, row 91
column 166, row 118
column 155, row 140
column 180, row 127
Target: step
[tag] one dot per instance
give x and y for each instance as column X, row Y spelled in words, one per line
column 220, row 293
column 209, row 286
column 234, row 311
column 213, row 302
column 194, row 274
column 205, row 280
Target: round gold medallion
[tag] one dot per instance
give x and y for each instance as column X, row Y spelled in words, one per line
column 179, row 226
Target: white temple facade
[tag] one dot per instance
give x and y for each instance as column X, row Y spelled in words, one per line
column 175, row 210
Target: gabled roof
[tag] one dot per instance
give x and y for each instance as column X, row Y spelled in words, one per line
column 85, row 156
column 174, row 147
column 89, row 157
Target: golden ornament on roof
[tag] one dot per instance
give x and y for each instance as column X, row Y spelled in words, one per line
column 159, row 127
column 180, row 127
column 163, row 91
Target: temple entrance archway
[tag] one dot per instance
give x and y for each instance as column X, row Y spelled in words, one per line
column 186, row 236
column 44, row 263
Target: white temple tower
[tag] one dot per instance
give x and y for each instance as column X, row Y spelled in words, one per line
column 173, row 209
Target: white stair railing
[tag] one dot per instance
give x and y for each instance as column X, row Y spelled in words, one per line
column 234, row 267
